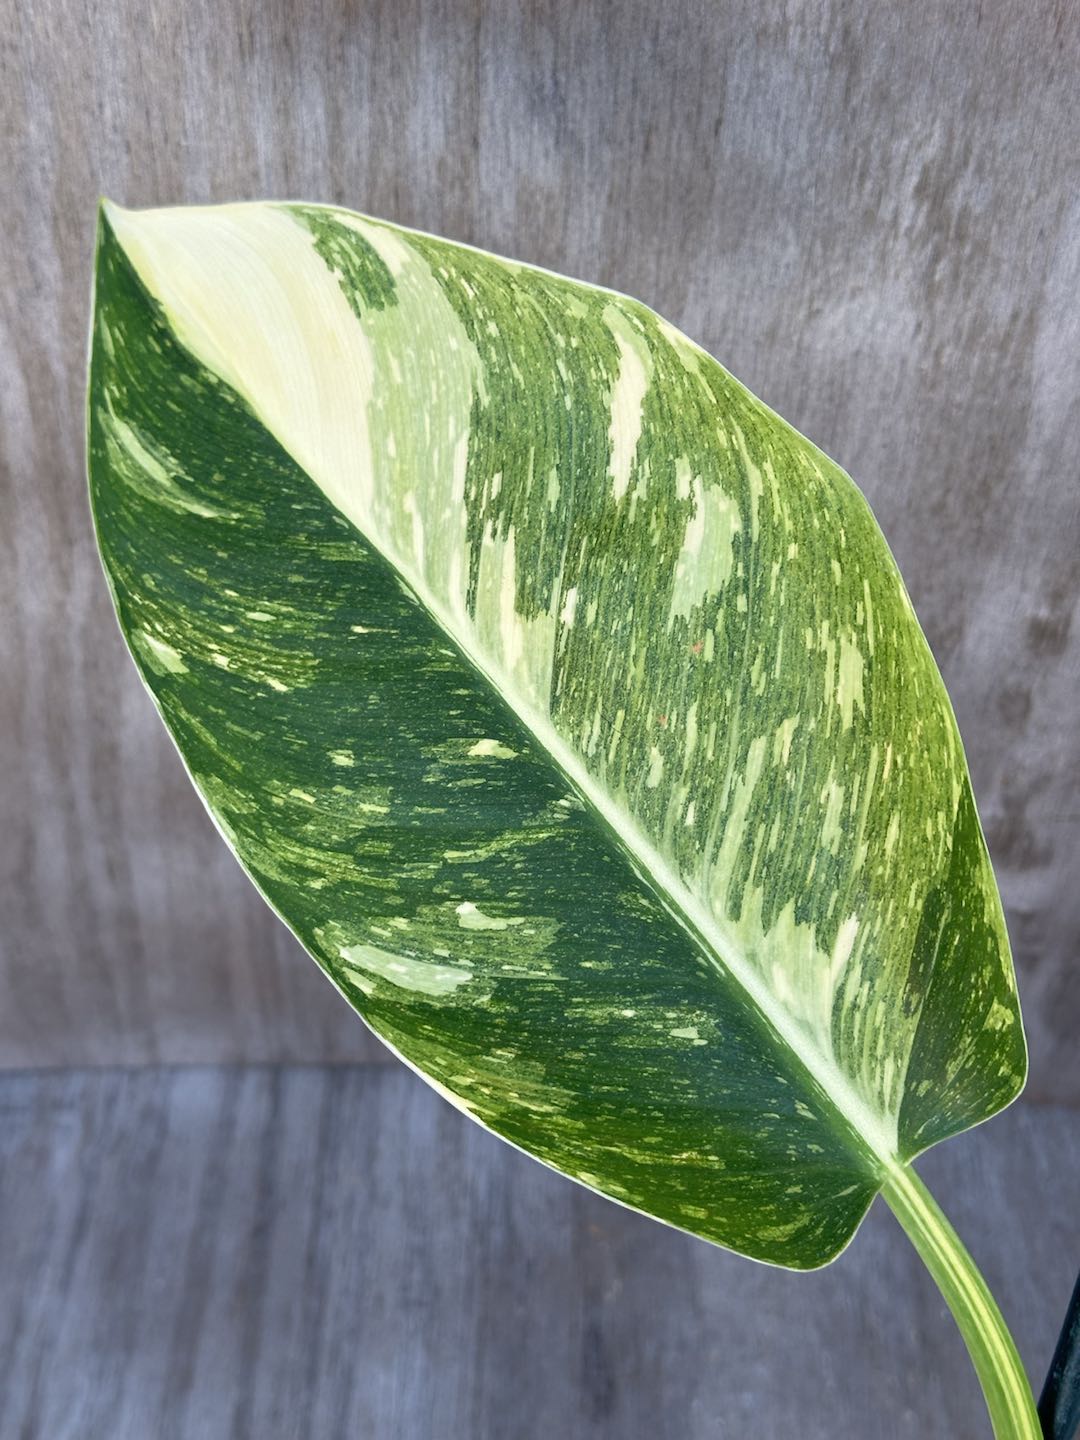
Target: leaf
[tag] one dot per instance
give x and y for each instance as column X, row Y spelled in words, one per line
column 565, row 703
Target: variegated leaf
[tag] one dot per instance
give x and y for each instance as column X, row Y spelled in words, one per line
column 564, row 701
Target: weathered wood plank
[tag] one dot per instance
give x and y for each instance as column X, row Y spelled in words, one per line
column 222, row 1254
column 868, row 211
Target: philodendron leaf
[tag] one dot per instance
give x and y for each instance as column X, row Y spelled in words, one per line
column 565, row 702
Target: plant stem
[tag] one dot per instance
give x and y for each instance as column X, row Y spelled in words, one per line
column 1005, row 1385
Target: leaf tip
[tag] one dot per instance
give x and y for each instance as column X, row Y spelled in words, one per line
column 107, row 211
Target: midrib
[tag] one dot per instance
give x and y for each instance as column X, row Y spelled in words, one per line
column 704, row 929
column 720, row 947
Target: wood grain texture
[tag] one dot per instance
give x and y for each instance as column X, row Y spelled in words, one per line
column 869, row 212
column 216, row 1255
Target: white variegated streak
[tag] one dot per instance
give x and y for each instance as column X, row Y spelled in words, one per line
column 248, row 295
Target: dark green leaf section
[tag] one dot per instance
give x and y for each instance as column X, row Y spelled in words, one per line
column 396, row 813
column 364, row 278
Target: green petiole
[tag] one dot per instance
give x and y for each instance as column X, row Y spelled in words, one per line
column 1001, row 1374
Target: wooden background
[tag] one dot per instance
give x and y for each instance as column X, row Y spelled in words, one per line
column 310, row 1253
column 870, row 212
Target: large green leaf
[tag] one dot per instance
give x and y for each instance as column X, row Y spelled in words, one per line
column 565, row 702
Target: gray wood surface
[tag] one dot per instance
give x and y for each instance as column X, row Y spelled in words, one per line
column 869, row 211
column 331, row 1252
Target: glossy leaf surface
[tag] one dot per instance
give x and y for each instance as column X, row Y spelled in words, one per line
column 565, row 702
